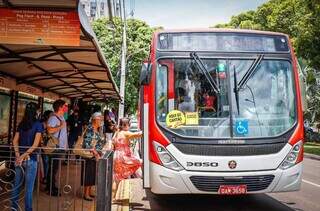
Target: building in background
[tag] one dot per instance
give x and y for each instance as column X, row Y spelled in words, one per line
column 96, row 9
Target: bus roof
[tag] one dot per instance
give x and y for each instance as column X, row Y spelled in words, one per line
column 218, row 30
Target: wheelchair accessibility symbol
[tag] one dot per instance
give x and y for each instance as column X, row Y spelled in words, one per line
column 241, row 127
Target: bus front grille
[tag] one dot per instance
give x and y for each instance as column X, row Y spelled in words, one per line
column 229, row 150
column 212, row 183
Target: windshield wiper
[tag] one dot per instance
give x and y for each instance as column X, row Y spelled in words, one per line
column 235, row 89
column 204, row 70
column 250, row 72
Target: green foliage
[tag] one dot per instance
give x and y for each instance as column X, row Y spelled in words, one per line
column 312, row 112
column 139, row 36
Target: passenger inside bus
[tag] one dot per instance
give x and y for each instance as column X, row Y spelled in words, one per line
column 186, row 105
column 193, row 94
column 209, row 104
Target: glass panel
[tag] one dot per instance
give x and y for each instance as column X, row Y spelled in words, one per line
column 266, row 102
column 162, row 92
column 23, row 100
column 47, row 104
column 205, row 113
column 4, row 117
column 222, row 41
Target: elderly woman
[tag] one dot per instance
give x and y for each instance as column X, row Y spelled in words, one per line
column 94, row 141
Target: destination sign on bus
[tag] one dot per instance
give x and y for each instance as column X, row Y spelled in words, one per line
column 222, row 42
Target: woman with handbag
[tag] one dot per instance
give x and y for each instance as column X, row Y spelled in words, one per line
column 25, row 143
column 93, row 143
column 124, row 161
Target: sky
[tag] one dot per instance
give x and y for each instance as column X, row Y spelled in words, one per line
column 175, row 14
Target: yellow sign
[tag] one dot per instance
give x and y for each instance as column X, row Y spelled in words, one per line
column 175, row 118
column 192, row 118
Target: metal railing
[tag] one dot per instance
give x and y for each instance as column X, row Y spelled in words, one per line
column 62, row 170
column 104, row 182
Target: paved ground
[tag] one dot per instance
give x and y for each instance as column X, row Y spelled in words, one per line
column 307, row 199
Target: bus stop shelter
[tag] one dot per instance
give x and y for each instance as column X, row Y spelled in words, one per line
column 49, row 50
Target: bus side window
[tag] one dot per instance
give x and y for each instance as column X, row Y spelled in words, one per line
column 162, row 92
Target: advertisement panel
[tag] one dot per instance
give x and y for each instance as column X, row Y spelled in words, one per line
column 39, row 27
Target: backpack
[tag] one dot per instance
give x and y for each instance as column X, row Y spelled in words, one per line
column 50, row 142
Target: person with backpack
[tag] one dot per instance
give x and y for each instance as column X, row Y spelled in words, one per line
column 58, row 128
column 25, row 143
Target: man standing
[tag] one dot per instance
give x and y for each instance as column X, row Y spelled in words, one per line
column 75, row 128
column 58, row 128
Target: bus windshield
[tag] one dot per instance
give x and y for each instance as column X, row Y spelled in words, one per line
column 187, row 104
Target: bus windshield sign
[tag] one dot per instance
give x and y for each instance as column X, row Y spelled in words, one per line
column 223, row 42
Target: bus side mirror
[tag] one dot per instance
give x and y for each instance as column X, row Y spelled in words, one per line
column 145, row 74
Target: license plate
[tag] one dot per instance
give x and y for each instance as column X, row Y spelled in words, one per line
column 232, row 189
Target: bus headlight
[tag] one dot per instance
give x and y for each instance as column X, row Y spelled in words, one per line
column 166, row 158
column 292, row 156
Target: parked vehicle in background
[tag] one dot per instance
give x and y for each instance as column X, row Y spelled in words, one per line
column 311, row 135
column 133, row 125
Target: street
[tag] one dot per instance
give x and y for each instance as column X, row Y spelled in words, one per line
column 307, row 199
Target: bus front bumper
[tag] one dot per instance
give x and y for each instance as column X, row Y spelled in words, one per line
column 166, row 181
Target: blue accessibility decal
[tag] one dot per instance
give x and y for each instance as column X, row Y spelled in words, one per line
column 241, row 127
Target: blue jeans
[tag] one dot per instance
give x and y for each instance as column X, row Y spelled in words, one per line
column 45, row 161
column 27, row 171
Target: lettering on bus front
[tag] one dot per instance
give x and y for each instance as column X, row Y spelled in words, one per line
column 202, row 164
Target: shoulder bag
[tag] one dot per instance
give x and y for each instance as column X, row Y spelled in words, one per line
column 51, row 143
column 78, row 147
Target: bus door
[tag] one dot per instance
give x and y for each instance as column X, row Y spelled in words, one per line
column 144, row 98
column 170, row 80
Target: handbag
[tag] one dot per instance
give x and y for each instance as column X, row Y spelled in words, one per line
column 79, row 150
column 51, row 143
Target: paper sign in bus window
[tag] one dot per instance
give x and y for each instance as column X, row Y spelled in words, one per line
column 192, row 118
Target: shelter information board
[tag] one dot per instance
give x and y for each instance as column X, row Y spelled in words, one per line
column 39, row 27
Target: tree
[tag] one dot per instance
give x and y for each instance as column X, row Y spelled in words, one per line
column 307, row 41
column 312, row 112
column 139, row 36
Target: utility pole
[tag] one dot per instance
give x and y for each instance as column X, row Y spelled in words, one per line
column 123, row 60
column 98, row 9
column 116, row 5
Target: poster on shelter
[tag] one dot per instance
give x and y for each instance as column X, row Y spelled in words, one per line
column 4, row 117
column 39, row 27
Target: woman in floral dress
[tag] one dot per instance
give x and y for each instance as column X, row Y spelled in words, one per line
column 125, row 163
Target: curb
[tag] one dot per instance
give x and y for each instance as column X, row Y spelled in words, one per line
column 124, row 196
column 312, row 156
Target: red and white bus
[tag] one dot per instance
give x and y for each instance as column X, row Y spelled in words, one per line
column 221, row 113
